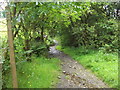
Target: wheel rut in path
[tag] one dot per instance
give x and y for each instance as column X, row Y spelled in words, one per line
column 74, row 75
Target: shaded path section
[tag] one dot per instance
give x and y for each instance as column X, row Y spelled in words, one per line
column 75, row 75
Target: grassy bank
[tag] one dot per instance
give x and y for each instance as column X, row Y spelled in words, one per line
column 40, row 73
column 104, row 65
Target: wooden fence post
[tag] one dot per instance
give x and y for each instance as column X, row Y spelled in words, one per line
column 11, row 48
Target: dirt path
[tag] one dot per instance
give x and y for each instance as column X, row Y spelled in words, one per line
column 75, row 75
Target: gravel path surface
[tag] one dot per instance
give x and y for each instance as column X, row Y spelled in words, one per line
column 74, row 75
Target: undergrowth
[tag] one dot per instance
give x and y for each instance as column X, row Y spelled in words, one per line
column 104, row 65
column 40, row 73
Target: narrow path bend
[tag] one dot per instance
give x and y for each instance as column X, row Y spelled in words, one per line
column 75, row 75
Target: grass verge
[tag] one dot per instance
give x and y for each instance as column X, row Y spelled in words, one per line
column 104, row 65
column 40, row 73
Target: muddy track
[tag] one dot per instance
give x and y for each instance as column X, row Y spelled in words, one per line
column 74, row 75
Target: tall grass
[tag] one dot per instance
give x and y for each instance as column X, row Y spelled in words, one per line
column 41, row 73
column 104, row 65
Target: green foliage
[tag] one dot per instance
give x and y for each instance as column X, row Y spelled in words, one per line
column 66, row 38
column 101, row 35
column 77, row 23
column 59, row 48
column 90, row 27
column 41, row 73
column 39, row 48
column 104, row 65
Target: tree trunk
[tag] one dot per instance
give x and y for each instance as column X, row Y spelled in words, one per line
column 42, row 34
column 27, row 47
column 11, row 47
